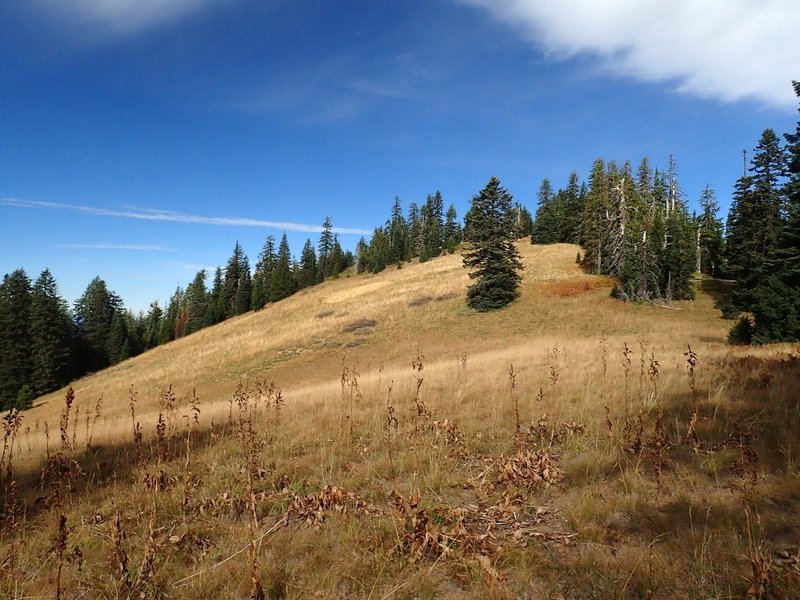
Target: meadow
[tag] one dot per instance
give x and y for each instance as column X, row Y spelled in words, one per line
column 372, row 437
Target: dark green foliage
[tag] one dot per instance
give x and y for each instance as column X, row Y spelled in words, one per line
column 267, row 260
column 491, row 256
column 283, row 283
column 237, row 287
column 170, row 322
column 398, row 234
column 741, row 334
column 15, row 343
column 307, row 272
column 756, row 218
column 452, row 229
column 547, row 227
column 325, row 247
column 710, row 242
column 117, row 346
column 196, row 300
column 93, row 313
column 51, row 336
column 776, row 299
column 152, row 326
column 432, row 226
column 215, row 312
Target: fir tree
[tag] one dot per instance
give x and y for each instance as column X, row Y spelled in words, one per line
column 215, row 312
column 776, row 305
column 196, row 300
column 265, row 265
column 117, row 346
column 546, row 226
column 170, row 322
column 492, row 256
column 283, row 282
column 51, row 336
column 307, row 273
column 93, row 312
column 452, row 229
column 325, row 248
column 398, row 234
column 710, row 243
column 152, row 325
column 15, row 342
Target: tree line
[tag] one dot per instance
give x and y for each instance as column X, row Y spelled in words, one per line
column 44, row 343
column 632, row 226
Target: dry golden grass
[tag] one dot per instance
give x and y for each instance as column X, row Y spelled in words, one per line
column 620, row 483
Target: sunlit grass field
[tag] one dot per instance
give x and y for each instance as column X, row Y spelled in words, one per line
column 372, row 437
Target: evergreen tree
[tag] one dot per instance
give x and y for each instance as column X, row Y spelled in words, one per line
column 171, row 320
column 593, row 228
column 572, row 211
column 492, row 256
column 325, row 248
column 546, row 228
column 432, row 226
column 51, row 336
column 236, row 289
column 337, row 258
column 152, row 325
column 360, row 257
column 414, row 226
column 307, row 273
column 265, row 265
column 378, row 252
column 710, row 243
column 215, row 312
column 117, row 346
column 93, row 312
column 15, row 342
column 196, row 299
column 283, row 282
column 398, row 234
column 756, row 218
column 776, row 305
column 452, row 230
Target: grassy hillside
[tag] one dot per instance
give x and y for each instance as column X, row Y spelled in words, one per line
column 373, row 438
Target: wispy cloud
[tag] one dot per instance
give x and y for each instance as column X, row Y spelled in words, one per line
column 122, row 16
column 177, row 217
column 729, row 51
column 138, row 247
column 336, row 90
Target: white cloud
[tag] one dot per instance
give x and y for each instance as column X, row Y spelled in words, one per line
column 176, row 217
column 727, row 50
column 122, row 16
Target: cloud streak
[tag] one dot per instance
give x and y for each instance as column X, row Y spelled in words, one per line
column 728, row 51
column 123, row 16
column 177, row 217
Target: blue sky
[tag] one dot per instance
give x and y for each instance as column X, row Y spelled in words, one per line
column 142, row 139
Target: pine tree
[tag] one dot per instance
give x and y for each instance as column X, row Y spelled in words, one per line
column 325, row 248
column 492, row 256
column 432, row 226
column 710, row 243
column 196, row 299
column 93, row 312
column 236, row 289
column 15, row 342
column 51, row 335
column 117, row 346
column 414, row 226
column 283, row 282
column 171, row 320
column 215, row 312
column 452, row 229
column 152, row 325
column 398, row 234
column 776, row 305
column 756, row 218
column 572, row 214
column 546, row 227
column 265, row 265
column 593, row 228
column 307, row 273
column 378, row 251
column 337, row 258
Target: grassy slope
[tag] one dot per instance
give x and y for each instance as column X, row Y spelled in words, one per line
column 608, row 525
